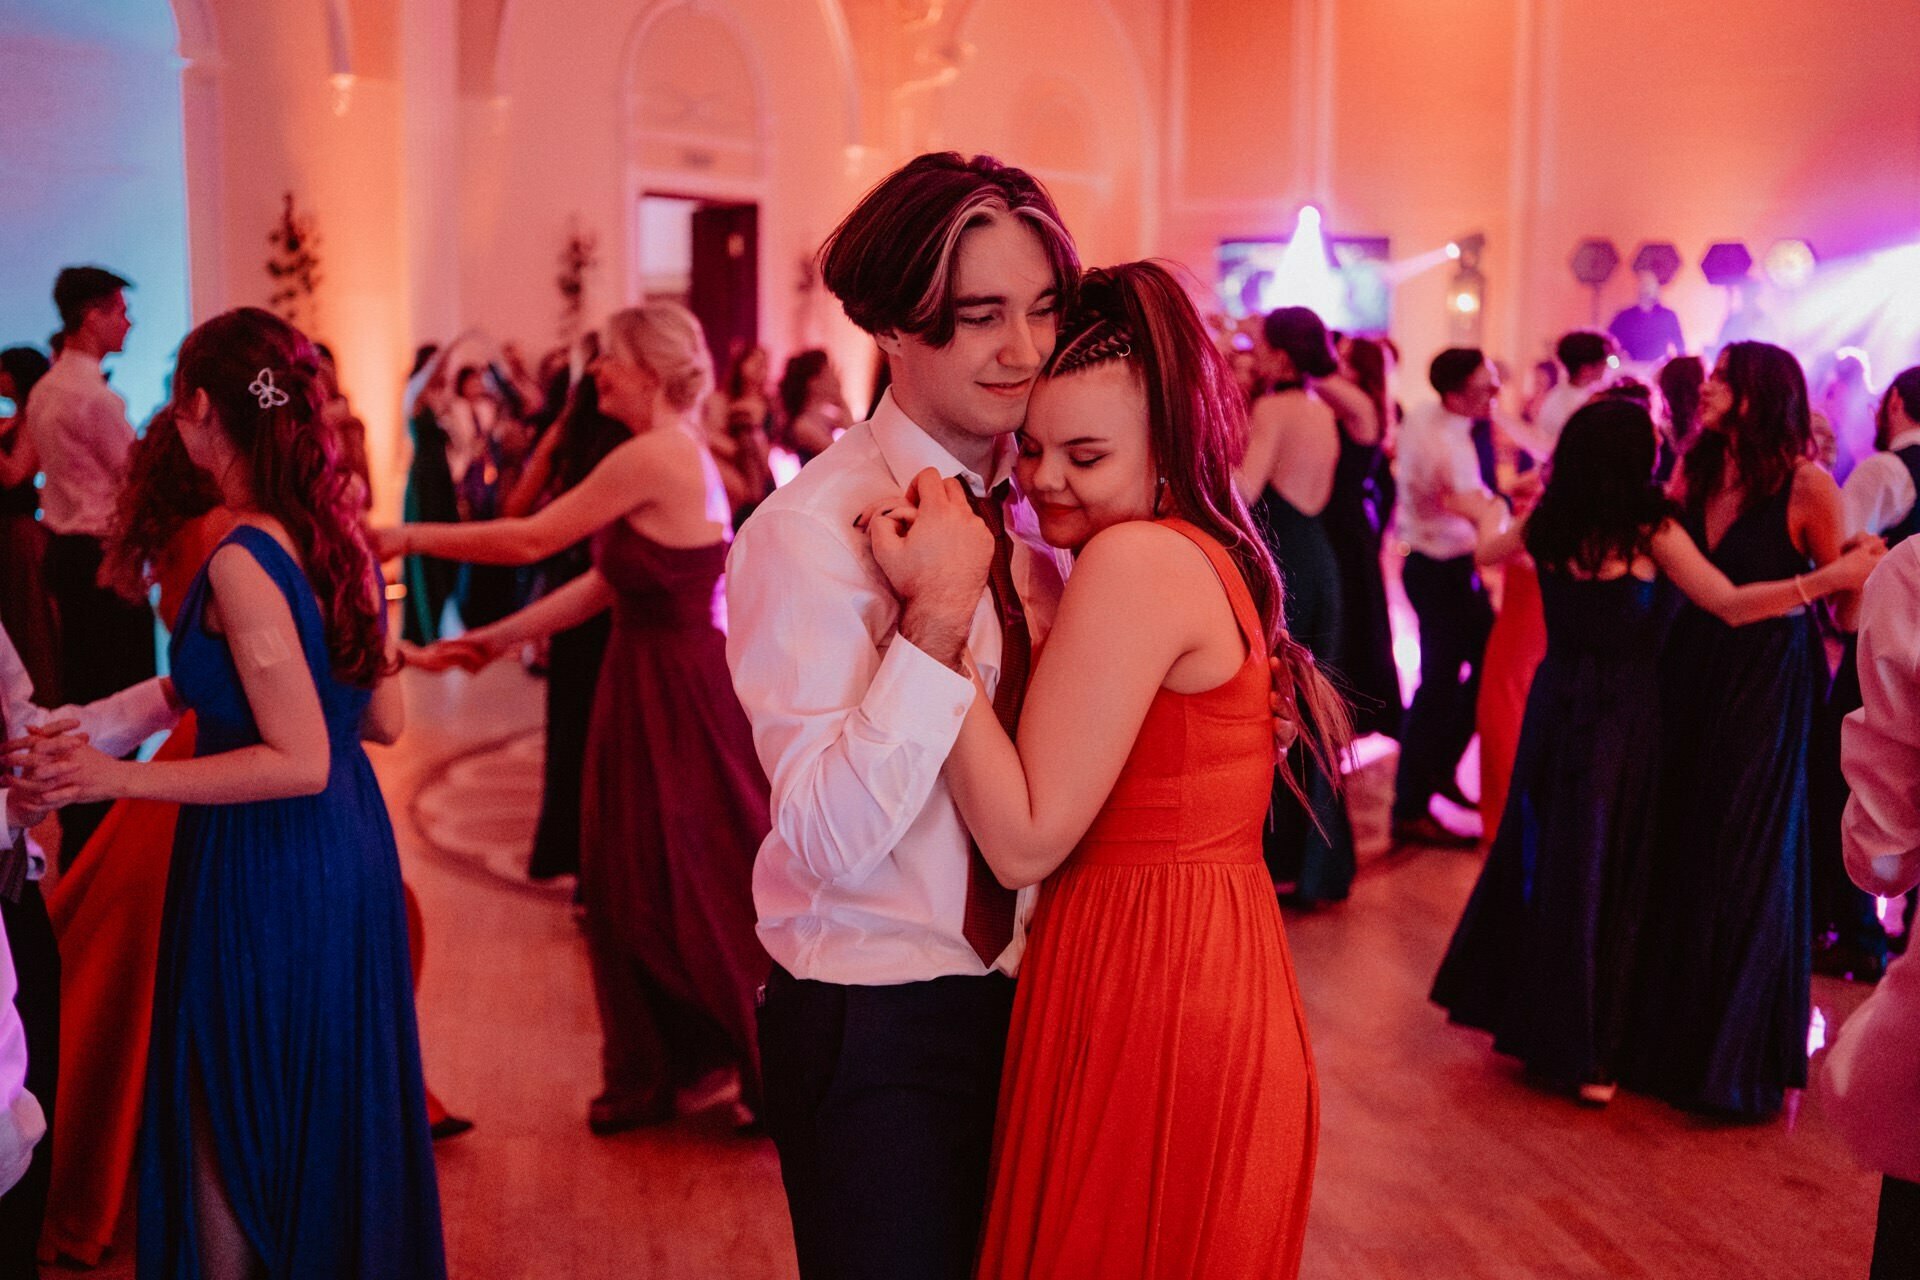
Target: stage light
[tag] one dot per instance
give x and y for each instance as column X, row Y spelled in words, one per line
column 1465, row 301
column 1306, row 276
column 1660, row 258
column 1726, row 263
column 1789, row 263
column 1453, row 250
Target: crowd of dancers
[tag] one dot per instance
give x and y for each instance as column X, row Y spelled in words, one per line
column 1045, row 671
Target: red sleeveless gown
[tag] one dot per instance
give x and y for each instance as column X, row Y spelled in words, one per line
column 1159, row 1112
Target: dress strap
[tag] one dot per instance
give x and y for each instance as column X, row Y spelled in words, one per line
column 1238, row 595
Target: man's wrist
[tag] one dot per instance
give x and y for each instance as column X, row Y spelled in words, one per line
column 938, row 629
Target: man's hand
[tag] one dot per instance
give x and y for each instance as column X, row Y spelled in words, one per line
column 936, row 555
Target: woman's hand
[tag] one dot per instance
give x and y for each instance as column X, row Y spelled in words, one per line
column 1860, row 554
column 389, row 541
column 469, row 653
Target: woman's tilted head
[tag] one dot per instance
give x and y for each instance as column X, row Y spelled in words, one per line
column 1600, row 503
column 248, row 398
column 1137, row 417
column 1755, row 424
column 656, row 349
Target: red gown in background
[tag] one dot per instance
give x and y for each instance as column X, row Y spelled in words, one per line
column 1159, row 1114
column 1515, row 647
column 106, row 916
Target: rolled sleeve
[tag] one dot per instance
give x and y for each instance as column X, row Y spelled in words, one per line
column 852, row 723
column 1880, row 743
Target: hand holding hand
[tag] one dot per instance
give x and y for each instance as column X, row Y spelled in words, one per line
column 936, row 554
column 1859, row 554
column 469, row 653
column 59, row 767
column 1526, row 491
column 389, row 541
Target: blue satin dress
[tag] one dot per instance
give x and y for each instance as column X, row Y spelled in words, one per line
column 283, row 1006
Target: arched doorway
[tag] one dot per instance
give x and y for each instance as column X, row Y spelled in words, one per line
column 697, row 162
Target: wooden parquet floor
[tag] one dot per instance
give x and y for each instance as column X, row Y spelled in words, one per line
column 1437, row 1160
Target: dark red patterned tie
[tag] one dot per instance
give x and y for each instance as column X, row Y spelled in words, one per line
column 988, row 924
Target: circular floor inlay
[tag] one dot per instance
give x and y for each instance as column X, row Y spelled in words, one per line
column 478, row 810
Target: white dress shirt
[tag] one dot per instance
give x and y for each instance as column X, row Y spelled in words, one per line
column 116, row 724
column 863, row 879
column 1880, row 743
column 1559, row 404
column 79, row 425
column 1436, row 458
column 1879, row 490
column 22, row 1120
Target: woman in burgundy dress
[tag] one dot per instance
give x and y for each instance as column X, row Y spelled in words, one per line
column 675, row 802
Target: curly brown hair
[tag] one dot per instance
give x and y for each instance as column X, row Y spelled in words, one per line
column 165, row 491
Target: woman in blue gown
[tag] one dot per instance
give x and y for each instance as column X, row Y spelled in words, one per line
column 285, row 1128
column 1726, row 996
column 1546, row 948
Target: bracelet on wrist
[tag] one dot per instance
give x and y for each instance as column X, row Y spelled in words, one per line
column 1800, row 586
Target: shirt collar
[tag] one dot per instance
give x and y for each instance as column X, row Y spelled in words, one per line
column 1904, row 439
column 81, row 362
column 908, row 450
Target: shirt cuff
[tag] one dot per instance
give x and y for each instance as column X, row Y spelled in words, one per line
column 123, row 721
column 917, row 697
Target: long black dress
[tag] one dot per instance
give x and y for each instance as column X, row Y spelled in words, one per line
column 1721, row 1005
column 1354, row 517
column 1309, row 848
column 1544, row 951
column 430, row 497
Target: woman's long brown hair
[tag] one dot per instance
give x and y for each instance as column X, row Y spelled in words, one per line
column 1197, row 431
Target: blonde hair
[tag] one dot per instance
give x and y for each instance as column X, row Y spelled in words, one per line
column 666, row 339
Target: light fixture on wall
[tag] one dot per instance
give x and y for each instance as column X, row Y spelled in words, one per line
column 1726, row 263
column 1789, row 263
column 1467, row 290
column 342, row 82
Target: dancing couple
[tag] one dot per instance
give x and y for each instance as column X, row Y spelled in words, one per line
column 951, row 806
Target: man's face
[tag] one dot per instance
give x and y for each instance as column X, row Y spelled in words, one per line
column 1475, row 399
column 107, row 323
column 1008, row 314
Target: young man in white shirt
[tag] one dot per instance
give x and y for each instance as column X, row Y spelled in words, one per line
column 1880, row 498
column 1587, row 358
column 116, row 724
column 1436, row 465
column 78, row 426
column 884, row 1023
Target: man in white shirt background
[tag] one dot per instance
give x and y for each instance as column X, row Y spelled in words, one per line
column 1588, row 358
column 78, row 426
column 1437, row 464
column 116, row 725
column 884, row 1024
column 1880, row 498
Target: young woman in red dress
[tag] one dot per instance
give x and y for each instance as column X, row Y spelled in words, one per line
column 1158, row 1115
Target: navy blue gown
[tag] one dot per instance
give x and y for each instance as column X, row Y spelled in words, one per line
column 1723, row 998
column 1309, row 847
column 283, row 999
column 1543, row 954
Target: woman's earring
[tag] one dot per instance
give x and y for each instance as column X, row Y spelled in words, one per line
column 1159, row 496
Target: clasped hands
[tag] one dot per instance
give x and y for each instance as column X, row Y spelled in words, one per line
column 936, row 554
column 469, row 653
column 53, row 765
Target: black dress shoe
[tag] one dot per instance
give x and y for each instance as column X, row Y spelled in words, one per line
column 608, row 1115
column 450, row 1127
